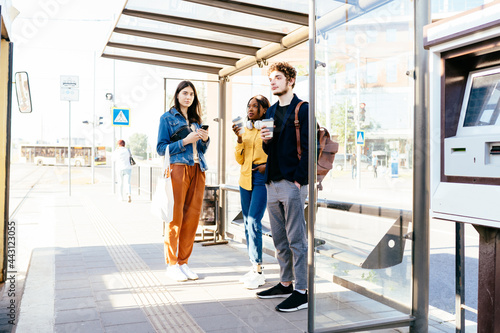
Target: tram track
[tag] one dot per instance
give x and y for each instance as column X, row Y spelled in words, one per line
column 21, row 188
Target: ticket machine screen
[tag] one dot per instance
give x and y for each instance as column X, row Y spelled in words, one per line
column 482, row 107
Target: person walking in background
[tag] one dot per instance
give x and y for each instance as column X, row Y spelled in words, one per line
column 354, row 166
column 180, row 131
column 286, row 183
column 374, row 165
column 121, row 158
column 250, row 155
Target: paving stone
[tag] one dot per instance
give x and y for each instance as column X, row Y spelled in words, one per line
column 93, row 326
column 118, row 317
column 75, row 316
column 74, row 303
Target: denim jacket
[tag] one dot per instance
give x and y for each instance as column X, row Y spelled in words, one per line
column 170, row 122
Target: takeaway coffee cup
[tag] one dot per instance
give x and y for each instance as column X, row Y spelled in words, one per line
column 269, row 124
column 238, row 121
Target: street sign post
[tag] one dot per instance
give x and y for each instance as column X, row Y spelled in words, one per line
column 69, row 92
column 121, row 117
column 70, row 88
column 360, row 138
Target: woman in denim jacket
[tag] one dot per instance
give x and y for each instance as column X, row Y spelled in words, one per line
column 180, row 130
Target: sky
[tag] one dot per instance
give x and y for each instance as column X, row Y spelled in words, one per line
column 66, row 37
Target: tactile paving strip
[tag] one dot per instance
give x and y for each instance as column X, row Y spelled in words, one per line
column 160, row 307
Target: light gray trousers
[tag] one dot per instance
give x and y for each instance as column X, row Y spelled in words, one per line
column 285, row 205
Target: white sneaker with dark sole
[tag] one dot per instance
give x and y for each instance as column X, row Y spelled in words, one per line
column 175, row 273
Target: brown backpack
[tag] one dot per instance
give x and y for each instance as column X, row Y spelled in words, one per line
column 327, row 148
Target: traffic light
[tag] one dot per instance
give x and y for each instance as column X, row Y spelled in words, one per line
column 100, row 122
column 362, row 112
column 350, row 114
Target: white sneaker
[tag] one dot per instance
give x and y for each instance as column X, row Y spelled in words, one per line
column 175, row 273
column 246, row 276
column 188, row 273
column 255, row 280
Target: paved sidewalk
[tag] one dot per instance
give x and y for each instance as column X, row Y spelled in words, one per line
column 96, row 265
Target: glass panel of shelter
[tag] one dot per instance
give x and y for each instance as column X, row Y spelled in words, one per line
column 366, row 255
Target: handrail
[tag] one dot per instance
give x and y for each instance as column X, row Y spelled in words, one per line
column 350, row 207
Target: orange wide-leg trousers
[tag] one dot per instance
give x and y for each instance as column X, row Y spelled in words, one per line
column 188, row 184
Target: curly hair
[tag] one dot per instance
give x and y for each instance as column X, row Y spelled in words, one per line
column 284, row 67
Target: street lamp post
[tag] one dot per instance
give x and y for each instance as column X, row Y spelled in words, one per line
column 94, row 125
column 109, row 98
column 358, row 147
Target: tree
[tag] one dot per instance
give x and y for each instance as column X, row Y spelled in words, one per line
column 138, row 144
column 338, row 114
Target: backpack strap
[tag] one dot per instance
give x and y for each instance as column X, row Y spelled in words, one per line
column 297, row 128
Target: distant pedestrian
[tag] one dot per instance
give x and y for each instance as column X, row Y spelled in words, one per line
column 374, row 165
column 354, row 166
column 121, row 158
column 180, row 130
column 287, row 188
column 253, row 195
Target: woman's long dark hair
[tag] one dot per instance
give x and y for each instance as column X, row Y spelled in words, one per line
column 194, row 111
column 262, row 101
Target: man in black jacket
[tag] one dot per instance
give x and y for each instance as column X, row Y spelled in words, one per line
column 286, row 183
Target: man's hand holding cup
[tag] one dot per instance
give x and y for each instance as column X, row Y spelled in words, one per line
column 266, row 133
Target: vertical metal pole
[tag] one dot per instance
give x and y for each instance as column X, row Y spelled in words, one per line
column 150, row 183
column 345, row 136
column 459, row 276
column 222, row 202
column 92, row 162
column 358, row 125
column 420, row 244
column 69, row 149
column 311, row 212
column 138, row 180
column 113, row 176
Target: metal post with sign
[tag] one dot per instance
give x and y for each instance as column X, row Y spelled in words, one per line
column 69, row 92
column 120, row 117
column 360, row 142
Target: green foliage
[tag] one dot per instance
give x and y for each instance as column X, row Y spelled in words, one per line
column 138, row 144
column 338, row 120
column 370, row 277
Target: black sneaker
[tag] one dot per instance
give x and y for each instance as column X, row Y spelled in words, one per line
column 278, row 290
column 295, row 302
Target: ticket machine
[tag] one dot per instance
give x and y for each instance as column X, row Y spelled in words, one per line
column 464, row 92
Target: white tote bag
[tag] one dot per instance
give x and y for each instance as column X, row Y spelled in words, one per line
column 162, row 205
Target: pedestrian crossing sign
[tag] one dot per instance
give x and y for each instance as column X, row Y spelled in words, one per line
column 360, row 138
column 121, row 117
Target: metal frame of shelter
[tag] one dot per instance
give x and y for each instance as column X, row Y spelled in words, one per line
column 225, row 57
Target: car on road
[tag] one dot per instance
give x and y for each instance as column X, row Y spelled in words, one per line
column 338, row 163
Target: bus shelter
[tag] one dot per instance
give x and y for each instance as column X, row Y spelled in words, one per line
column 361, row 66
column 7, row 13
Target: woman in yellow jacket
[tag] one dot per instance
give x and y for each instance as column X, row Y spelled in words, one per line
column 253, row 194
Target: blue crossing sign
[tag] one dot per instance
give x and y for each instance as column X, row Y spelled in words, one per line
column 121, row 117
column 360, row 138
